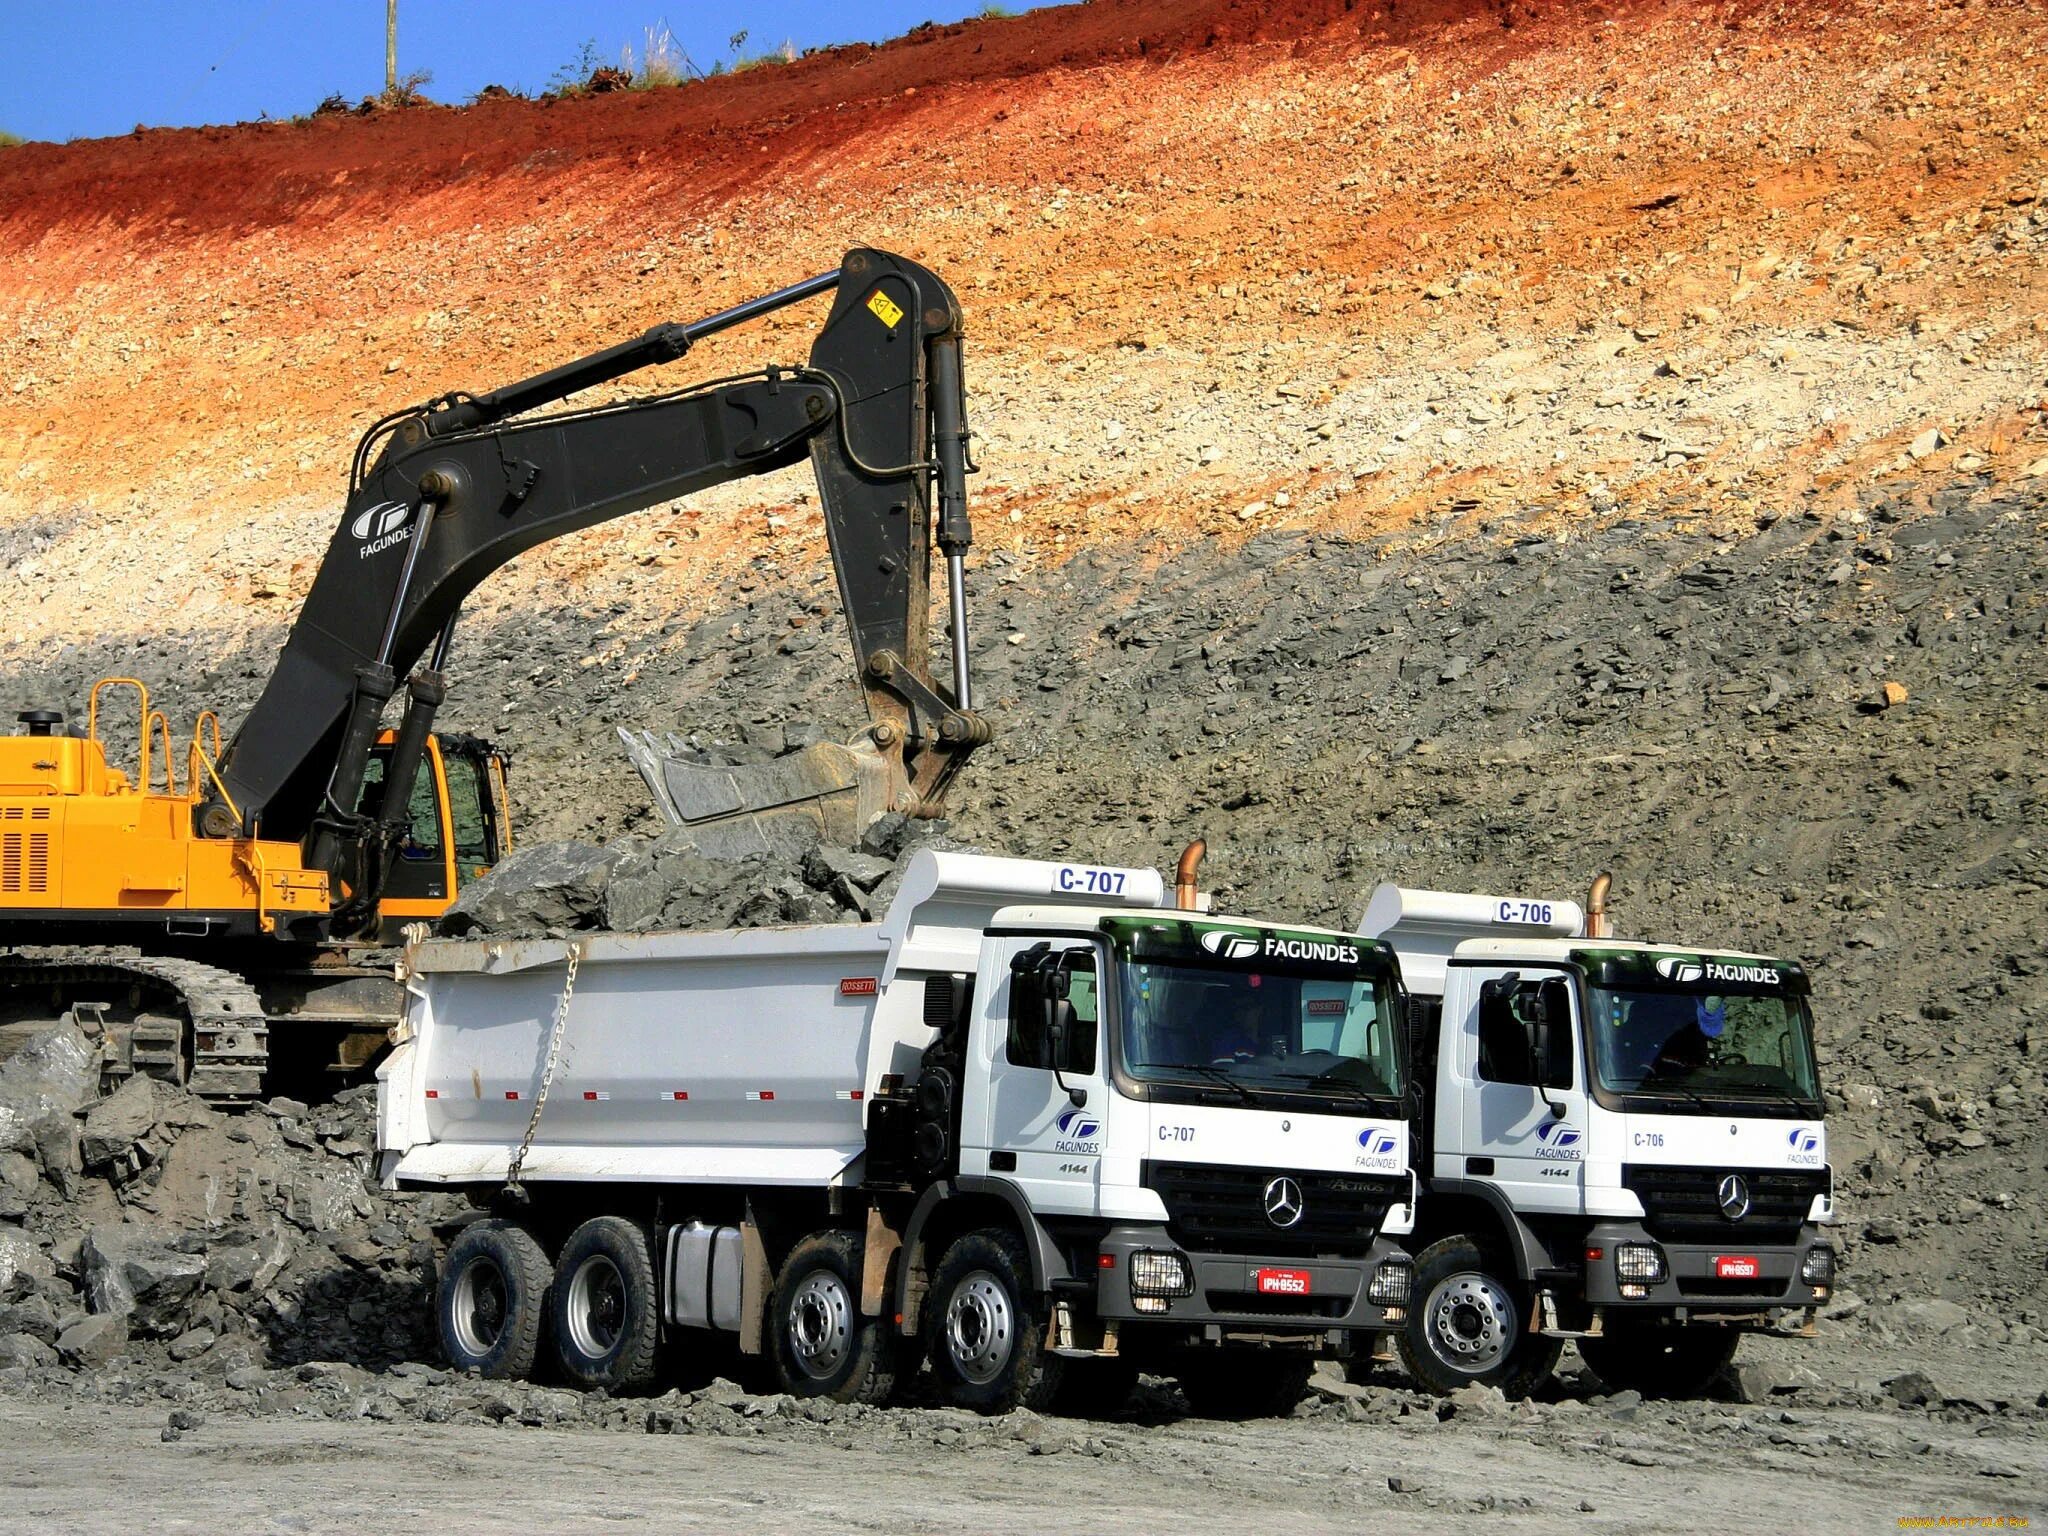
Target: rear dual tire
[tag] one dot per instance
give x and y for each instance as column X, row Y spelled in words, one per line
column 593, row 1314
column 606, row 1309
column 492, row 1302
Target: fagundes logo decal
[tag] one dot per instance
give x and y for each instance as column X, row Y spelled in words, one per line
column 1560, row 1142
column 378, row 528
column 1075, row 1131
column 1239, row 946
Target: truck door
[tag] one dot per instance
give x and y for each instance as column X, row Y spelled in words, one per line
column 1027, row 1126
column 1519, row 1054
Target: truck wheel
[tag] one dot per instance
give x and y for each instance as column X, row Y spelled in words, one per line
column 985, row 1334
column 1678, row 1360
column 1095, row 1389
column 819, row 1342
column 607, row 1311
column 1242, row 1384
column 1465, row 1327
column 492, row 1305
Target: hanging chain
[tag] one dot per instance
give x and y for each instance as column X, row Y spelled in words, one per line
column 547, row 1071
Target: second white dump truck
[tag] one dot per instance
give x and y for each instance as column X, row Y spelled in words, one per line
column 1037, row 1126
column 1621, row 1144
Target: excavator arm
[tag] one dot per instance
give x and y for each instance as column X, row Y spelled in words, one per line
column 444, row 494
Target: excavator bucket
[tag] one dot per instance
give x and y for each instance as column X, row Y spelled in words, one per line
column 823, row 791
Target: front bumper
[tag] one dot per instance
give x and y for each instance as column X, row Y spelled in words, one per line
column 1300, row 1298
column 1693, row 1280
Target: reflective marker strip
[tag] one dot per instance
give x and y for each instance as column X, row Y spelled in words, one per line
column 511, row 1093
column 668, row 1095
column 596, row 1098
column 854, row 1094
column 433, row 1093
column 760, row 1095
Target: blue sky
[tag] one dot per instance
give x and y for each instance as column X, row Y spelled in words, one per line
column 88, row 68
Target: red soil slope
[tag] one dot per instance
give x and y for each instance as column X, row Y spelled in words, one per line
column 1290, row 204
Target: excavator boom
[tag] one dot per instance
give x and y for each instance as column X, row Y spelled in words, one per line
column 445, row 494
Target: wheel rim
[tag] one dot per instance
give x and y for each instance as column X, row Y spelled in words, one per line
column 481, row 1305
column 981, row 1327
column 597, row 1307
column 821, row 1325
column 1469, row 1322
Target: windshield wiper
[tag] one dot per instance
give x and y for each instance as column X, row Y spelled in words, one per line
column 1351, row 1090
column 1648, row 1084
column 1221, row 1078
column 1773, row 1091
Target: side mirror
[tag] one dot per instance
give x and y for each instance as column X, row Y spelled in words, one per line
column 1550, row 1041
column 1059, row 1030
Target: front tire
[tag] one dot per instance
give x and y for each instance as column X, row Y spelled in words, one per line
column 1677, row 1360
column 820, row 1344
column 607, row 1311
column 1465, row 1326
column 492, row 1302
column 985, row 1330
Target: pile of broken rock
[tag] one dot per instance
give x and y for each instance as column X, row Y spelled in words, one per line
column 144, row 1228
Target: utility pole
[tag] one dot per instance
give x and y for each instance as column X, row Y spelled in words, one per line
column 391, row 48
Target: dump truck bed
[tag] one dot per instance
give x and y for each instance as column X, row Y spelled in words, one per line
column 744, row 1056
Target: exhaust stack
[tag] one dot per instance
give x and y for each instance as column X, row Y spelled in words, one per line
column 1596, row 907
column 1184, row 893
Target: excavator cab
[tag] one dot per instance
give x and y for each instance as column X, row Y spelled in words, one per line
column 459, row 825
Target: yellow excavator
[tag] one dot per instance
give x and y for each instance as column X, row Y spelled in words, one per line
column 212, row 914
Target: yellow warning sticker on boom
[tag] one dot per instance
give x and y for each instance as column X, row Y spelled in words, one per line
column 886, row 309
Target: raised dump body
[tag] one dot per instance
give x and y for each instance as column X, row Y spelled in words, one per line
column 743, row 1056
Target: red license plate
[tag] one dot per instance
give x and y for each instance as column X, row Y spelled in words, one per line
column 1283, row 1282
column 1736, row 1267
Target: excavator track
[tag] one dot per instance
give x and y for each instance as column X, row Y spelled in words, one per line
column 229, row 1033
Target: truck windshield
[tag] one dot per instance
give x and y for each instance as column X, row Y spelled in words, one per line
column 1261, row 1012
column 1701, row 1042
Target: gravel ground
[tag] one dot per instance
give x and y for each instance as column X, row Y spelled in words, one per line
column 1380, row 1459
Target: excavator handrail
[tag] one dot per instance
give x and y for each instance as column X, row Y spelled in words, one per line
column 92, row 723
column 157, row 725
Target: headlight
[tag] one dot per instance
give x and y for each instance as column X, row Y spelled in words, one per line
column 1819, row 1265
column 1160, row 1274
column 1391, row 1283
column 1640, row 1262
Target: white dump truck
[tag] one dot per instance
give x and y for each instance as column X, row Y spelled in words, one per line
column 1038, row 1126
column 1621, row 1143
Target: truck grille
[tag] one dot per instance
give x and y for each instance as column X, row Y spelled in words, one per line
column 1682, row 1205
column 1211, row 1208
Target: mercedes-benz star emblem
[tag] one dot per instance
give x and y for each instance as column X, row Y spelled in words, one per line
column 1734, row 1197
column 1283, row 1202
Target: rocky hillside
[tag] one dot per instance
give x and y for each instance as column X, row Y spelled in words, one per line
column 1459, row 443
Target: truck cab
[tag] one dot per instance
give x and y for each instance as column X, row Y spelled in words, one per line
column 1622, row 1144
column 1203, row 1117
